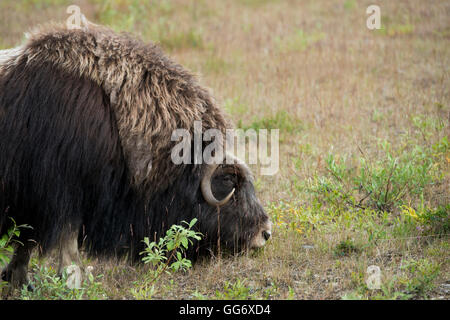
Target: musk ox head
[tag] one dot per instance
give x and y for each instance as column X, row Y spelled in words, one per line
column 231, row 207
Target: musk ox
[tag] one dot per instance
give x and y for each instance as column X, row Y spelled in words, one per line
column 86, row 118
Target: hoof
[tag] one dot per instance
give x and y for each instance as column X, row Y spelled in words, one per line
column 5, row 275
column 30, row 287
column 18, row 282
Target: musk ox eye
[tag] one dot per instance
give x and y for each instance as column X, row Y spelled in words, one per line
column 228, row 180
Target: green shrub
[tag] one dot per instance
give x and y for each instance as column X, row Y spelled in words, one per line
column 384, row 184
column 167, row 253
column 390, row 180
column 165, row 256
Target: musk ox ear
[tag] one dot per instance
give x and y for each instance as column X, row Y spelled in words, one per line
column 242, row 169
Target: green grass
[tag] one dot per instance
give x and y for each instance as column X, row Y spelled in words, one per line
column 286, row 122
column 234, row 291
column 153, row 21
column 298, row 41
column 349, row 4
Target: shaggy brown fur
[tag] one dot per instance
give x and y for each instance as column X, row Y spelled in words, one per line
column 150, row 94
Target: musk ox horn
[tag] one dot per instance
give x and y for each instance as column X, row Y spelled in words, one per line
column 206, row 187
column 206, row 182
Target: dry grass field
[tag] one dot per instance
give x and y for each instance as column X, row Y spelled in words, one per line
column 363, row 116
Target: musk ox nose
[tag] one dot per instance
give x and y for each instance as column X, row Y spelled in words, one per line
column 262, row 235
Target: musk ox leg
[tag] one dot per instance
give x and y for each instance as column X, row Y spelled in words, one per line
column 16, row 271
column 68, row 252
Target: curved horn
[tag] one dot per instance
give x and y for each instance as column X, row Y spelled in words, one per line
column 206, row 181
column 206, row 188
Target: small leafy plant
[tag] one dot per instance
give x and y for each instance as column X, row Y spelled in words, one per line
column 8, row 240
column 234, row 291
column 7, row 243
column 166, row 256
column 167, row 253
